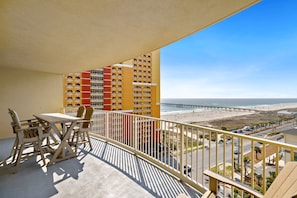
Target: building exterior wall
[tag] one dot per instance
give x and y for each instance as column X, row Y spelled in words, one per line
column 107, row 89
column 72, row 95
column 86, row 88
column 97, row 88
column 290, row 139
column 146, row 83
column 123, row 86
column 130, row 86
column 156, row 94
column 28, row 93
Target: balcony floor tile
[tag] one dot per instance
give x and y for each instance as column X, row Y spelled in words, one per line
column 107, row 172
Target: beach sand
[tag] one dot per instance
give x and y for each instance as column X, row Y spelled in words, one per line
column 215, row 114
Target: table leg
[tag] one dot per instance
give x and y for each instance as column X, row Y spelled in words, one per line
column 64, row 147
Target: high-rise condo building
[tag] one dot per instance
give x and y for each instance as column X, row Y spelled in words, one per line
column 130, row 86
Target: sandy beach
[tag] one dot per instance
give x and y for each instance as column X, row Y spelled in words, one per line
column 214, row 114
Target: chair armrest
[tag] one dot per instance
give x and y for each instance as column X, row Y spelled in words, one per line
column 21, row 131
column 80, row 122
column 208, row 194
column 83, row 120
column 214, row 178
column 30, row 122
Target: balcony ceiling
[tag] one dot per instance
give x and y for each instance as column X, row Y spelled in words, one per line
column 75, row 35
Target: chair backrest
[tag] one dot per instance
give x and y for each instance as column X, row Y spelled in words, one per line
column 88, row 116
column 80, row 111
column 285, row 183
column 16, row 124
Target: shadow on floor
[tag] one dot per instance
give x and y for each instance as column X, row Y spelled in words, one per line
column 106, row 171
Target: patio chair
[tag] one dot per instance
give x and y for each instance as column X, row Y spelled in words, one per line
column 81, row 132
column 29, row 134
column 284, row 185
column 80, row 111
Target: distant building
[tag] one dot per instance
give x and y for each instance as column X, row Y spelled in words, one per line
column 130, row 86
column 290, row 137
column 76, row 90
column 287, row 113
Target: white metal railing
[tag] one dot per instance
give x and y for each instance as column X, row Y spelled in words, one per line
column 187, row 150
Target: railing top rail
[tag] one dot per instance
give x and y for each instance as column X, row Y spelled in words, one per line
column 179, row 149
column 219, row 131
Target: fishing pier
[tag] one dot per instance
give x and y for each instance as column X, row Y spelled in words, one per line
column 211, row 107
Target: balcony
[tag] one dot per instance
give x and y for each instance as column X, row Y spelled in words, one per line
column 138, row 156
column 107, row 171
column 171, row 145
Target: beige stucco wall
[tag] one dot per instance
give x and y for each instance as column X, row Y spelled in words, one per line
column 28, row 93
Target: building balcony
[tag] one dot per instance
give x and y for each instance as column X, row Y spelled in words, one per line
column 139, row 156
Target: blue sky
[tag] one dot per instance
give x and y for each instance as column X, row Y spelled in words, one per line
column 252, row 54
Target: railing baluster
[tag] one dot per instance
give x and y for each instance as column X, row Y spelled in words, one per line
column 185, row 151
column 209, row 149
column 241, row 155
column 276, row 161
column 192, row 145
column 264, row 167
column 197, row 155
column 203, row 156
column 172, row 145
column 233, row 164
column 224, row 159
column 105, row 127
column 168, row 144
column 165, row 142
column 182, row 139
column 135, row 133
column 217, row 151
column 252, row 164
column 292, row 156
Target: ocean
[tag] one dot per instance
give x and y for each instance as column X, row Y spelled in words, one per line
column 232, row 102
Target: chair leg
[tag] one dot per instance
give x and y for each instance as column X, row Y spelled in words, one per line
column 17, row 164
column 84, row 138
column 14, row 150
column 89, row 140
column 77, row 142
column 41, row 152
column 73, row 136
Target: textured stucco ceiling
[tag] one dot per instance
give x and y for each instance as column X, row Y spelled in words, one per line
column 62, row 36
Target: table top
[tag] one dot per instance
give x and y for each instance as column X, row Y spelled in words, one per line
column 56, row 117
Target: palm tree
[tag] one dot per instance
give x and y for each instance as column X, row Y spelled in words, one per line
column 257, row 150
column 259, row 179
column 246, row 161
column 270, row 179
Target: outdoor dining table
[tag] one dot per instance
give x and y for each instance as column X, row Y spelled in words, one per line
column 55, row 122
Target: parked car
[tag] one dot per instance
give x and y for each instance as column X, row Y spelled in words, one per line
column 187, row 167
column 246, row 128
column 236, row 152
